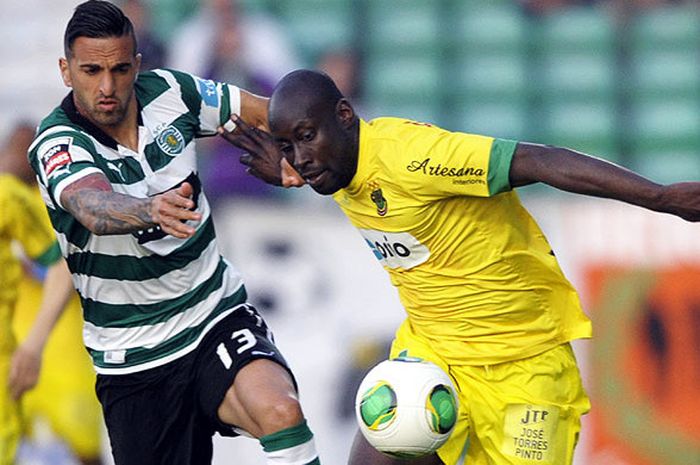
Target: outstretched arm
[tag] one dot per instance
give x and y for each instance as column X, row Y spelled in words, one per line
column 92, row 201
column 26, row 360
column 576, row 172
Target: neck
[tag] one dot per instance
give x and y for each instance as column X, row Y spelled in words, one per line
column 126, row 132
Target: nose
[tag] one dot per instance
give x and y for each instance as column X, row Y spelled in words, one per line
column 301, row 158
column 107, row 85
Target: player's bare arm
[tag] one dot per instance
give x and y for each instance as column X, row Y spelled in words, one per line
column 576, row 172
column 93, row 202
column 254, row 109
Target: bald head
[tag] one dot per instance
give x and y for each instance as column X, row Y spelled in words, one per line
column 304, row 93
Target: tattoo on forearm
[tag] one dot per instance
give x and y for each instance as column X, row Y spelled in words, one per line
column 109, row 212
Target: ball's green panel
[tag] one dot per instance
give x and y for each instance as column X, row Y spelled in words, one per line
column 378, row 406
column 443, row 409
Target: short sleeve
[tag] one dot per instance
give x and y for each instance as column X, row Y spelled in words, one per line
column 61, row 158
column 441, row 163
column 213, row 102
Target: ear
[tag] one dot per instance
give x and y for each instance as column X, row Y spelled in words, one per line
column 345, row 112
column 138, row 63
column 65, row 72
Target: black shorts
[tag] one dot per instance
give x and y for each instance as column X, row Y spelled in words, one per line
column 168, row 414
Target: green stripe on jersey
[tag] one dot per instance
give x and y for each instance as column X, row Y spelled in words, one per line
column 149, row 87
column 189, row 92
column 128, row 268
column 140, row 355
column 502, row 151
column 225, row 108
column 126, row 315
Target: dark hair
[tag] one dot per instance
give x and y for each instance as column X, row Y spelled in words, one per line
column 96, row 19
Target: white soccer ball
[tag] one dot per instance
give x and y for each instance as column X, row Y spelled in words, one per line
column 406, row 407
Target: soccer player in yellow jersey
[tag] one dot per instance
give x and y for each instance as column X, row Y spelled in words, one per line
column 485, row 297
column 64, row 396
column 22, row 222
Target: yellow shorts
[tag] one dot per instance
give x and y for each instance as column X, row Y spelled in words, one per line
column 523, row 412
column 10, row 420
column 65, row 395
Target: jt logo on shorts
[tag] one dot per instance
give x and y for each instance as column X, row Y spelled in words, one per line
column 534, row 416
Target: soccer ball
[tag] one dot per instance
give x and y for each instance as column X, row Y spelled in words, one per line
column 406, row 407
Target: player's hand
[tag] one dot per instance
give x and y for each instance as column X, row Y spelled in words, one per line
column 263, row 158
column 25, row 367
column 171, row 209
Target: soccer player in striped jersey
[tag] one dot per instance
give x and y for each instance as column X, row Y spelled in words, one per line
column 180, row 353
column 484, row 294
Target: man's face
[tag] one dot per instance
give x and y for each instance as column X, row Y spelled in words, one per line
column 102, row 72
column 319, row 147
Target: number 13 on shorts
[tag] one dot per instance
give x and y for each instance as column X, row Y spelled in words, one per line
column 244, row 337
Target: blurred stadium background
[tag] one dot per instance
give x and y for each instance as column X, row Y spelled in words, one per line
column 618, row 79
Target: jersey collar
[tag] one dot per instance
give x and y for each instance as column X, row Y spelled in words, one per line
column 361, row 173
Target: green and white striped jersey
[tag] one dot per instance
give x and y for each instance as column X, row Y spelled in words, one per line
column 148, row 298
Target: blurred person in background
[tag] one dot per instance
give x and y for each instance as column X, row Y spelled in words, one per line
column 180, row 353
column 23, row 223
column 485, row 297
column 64, row 397
column 150, row 46
column 223, row 43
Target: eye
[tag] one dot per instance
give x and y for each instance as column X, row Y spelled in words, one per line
column 286, row 148
column 307, row 135
column 92, row 70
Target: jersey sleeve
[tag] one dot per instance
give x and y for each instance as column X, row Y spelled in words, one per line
column 213, row 102
column 25, row 220
column 61, row 158
column 442, row 163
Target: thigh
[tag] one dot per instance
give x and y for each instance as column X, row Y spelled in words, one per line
column 233, row 344
column 407, row 343
column 527, row 411
column 152, row 418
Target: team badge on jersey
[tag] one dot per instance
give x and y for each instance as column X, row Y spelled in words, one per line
column 378, row 198
column 170, row 140
column 56, row 155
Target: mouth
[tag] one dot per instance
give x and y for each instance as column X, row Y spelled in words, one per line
column 314, row 178
column 107, row 105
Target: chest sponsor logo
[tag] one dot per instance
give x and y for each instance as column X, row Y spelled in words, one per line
column 378, row 198
column 428, row 168
column 56, row 155
column 170, row 140
column 396, row 250
column 207, row 89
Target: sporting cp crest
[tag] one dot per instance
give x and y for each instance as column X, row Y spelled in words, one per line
column 170, row 140
column 378, row 198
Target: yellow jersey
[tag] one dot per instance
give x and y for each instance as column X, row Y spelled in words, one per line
column 23, row 219
column 478, row 279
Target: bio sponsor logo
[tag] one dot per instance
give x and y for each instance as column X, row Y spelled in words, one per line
column 396, row 250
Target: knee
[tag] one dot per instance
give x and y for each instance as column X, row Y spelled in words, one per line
column 281, row 413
